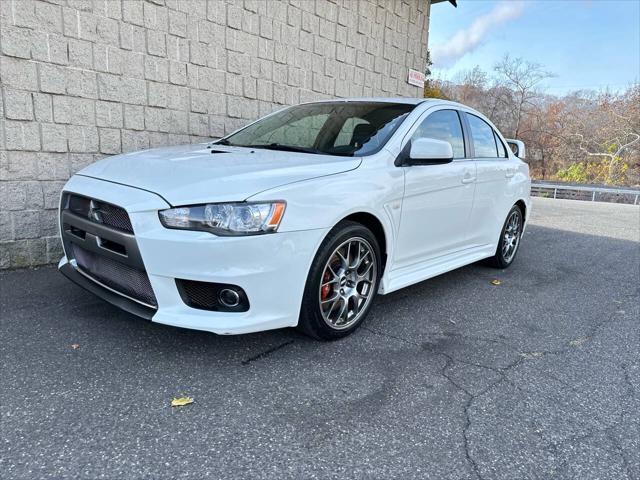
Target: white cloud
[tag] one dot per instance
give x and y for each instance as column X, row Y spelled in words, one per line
column 467, row 39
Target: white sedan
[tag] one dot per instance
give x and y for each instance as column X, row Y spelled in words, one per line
column 298, row 219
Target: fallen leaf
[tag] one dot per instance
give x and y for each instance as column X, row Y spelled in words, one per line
column 578, row 341
column 531, row 354
column 181, row 402
column 75, row 346
column 495, row 281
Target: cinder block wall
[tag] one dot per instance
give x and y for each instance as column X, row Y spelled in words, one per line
column 82, row 79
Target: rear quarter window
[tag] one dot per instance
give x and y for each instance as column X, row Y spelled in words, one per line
column 502, row 150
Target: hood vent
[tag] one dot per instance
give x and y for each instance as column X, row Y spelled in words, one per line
column 219, row 151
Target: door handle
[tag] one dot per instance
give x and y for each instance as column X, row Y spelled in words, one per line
column 510, row 173
column 468, row 179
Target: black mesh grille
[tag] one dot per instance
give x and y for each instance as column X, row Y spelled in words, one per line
column 205, row 295
column 105, row 213
column 202, row 294
column 118, row 276
column 115, row 217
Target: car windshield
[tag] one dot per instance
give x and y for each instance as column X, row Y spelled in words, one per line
column 329, row 128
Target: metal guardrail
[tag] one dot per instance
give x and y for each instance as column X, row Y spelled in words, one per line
column 585, row 192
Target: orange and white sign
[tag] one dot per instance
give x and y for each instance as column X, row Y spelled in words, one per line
column 416, row 78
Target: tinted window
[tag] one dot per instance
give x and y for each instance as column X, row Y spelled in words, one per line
column 301, row 133
column 502, row 151
column 332, row 128
column 484, row 142
column 443, row 125
column 349, row 132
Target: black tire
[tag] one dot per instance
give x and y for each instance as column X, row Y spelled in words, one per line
column 500, row 259
column 311, row 321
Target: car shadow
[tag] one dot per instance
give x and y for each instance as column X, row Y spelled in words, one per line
column 551, row 262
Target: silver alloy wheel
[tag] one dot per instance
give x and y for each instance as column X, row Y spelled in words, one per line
column 511, row 238
column 347, row 283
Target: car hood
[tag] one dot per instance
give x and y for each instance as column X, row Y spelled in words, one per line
column 201, row 173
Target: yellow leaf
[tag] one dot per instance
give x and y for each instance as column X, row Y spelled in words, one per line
column 578, row 341
column 531, row 354
column 181, row 402
column 495, row 281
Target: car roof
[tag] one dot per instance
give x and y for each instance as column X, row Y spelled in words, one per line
column 405, row 100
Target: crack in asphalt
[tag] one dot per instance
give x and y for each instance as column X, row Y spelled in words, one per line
column 266, row 353
column 471, row 399
column 450, row 361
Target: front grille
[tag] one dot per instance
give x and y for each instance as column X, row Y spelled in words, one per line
column 116, row 275
column 99, row 212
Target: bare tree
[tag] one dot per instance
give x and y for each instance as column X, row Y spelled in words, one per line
column 584, row 136
column 521, row 79
column 611, row 131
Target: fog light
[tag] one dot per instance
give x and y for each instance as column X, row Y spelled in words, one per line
column 229, row 298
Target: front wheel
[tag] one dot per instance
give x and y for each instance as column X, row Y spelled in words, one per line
column 342, row 282
column 509, row 239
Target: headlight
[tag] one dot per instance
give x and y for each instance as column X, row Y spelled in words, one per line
column 241, row 218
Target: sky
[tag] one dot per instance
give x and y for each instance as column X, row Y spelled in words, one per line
column 587, row 44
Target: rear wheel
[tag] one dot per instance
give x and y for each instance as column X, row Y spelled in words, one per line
column 342, row 282
column 509, row 239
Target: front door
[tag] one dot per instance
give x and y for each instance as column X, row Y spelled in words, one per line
column 438, row 198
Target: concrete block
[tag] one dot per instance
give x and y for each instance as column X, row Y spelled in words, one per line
column 110, row 140
column 109, row 114
column 53, row 166
column 82, row 139
column 18, row 73
column 134, row 117
column 54, row 137
column 18, row 104
column 21, row 135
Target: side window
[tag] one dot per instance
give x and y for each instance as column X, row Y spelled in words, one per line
column 482, row 136
column 502, row 151
column 443, row 125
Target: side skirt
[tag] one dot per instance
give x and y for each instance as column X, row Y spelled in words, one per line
column 403, row 277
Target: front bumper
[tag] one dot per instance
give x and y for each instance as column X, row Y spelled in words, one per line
column 272, row 269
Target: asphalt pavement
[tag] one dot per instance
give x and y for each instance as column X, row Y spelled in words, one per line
column 454, row 378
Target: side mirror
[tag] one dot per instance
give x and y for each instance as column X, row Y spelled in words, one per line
column 429, row 151
column 517, row 147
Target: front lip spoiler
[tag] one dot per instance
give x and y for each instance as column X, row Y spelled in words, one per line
column 113, row 298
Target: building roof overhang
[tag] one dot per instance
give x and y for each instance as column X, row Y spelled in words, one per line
column 452, row 2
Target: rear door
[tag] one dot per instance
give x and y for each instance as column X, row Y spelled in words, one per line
column 438, row 198
column 493, row 170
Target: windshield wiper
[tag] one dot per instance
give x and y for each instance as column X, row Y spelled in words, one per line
column 222, row 141
column 284, row 148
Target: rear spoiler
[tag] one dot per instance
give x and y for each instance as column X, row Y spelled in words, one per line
column 517, row 147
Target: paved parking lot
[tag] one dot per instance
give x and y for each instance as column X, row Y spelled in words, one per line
column 454, row 378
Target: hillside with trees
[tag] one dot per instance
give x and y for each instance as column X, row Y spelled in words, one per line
column 584, row 136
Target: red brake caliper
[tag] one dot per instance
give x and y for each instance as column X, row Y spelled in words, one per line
column 326, row 289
